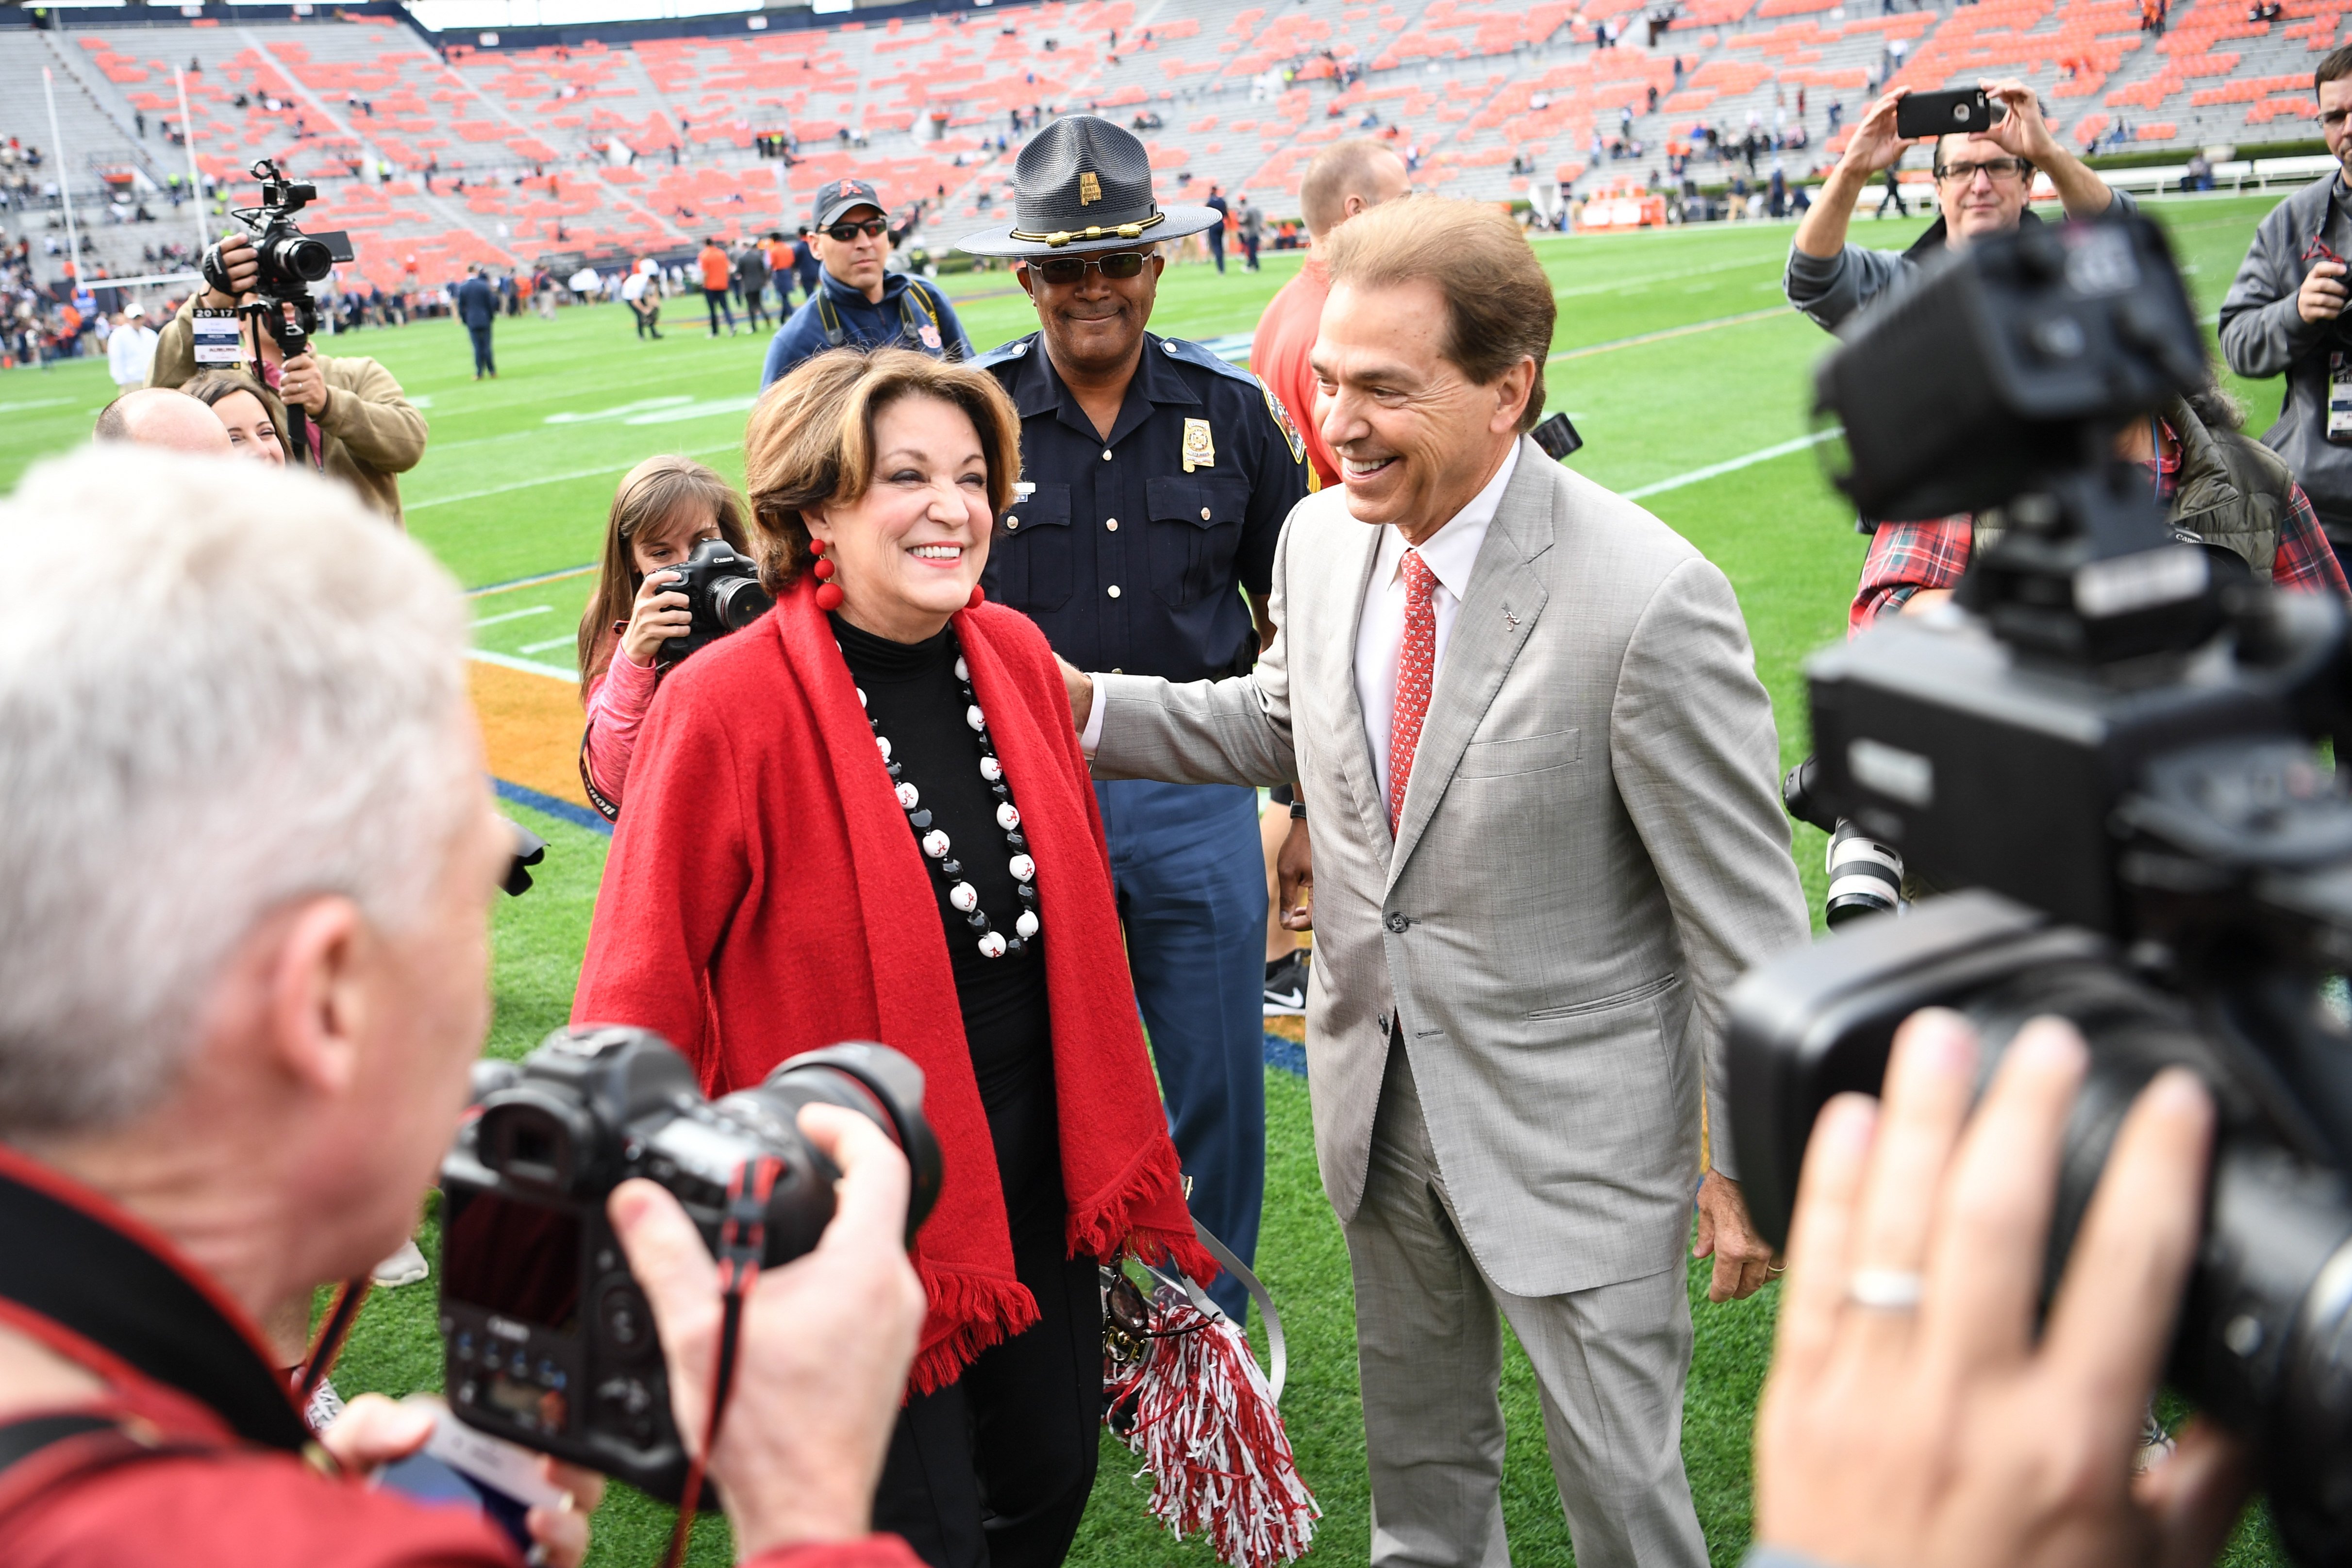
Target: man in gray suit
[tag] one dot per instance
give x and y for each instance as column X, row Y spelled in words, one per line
column 1541, row 775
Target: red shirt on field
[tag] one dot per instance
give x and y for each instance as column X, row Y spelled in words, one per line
column 716, row 271
column 1285, row 335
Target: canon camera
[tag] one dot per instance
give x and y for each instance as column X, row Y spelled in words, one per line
column 548, row 1336
column 722, row 592
column 2110, row 753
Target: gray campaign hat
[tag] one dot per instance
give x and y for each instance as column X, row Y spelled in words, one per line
column 1084, row 184
column 835, row 197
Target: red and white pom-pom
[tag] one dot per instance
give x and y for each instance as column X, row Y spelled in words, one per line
column 1199, row 1410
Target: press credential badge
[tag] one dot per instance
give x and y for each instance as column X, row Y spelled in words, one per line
column 216, row 339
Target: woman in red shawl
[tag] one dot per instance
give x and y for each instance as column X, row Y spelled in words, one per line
column 867, row 817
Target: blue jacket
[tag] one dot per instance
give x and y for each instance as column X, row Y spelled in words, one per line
column 478, row 304
column 911, row 312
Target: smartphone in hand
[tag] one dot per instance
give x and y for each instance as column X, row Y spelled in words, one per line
column 1966, row 108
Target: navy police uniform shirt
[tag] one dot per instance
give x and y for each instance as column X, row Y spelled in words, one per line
column 912, row 314
column 1131, row 553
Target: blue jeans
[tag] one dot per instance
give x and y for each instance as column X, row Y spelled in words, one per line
column 1191, row 882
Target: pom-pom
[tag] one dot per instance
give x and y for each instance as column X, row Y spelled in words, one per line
column 979, row 597
column 1194, row 1404
column 823, row 571
column 828, row 595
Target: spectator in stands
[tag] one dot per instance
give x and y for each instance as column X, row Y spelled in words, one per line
column 130, row 351
column 2219, row 486
column 1216, row 236
column 162, row 416
column 718, row 270
column 360, row 428
column 477, row 312
column 2283, row 313
column 1163, row 475
column 1982, row 185
column 752, row 284
column 857, row 301
column 663, row 507
column 248, row 411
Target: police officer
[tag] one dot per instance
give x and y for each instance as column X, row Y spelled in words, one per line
column 1161, row 478
column 855, row 302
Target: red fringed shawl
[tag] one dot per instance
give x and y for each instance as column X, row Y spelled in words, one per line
column 764, row 896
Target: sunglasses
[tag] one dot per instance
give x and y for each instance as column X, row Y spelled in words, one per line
column 872, row 229
column 1064, row 270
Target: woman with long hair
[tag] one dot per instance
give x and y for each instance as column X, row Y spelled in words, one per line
column 662, row 509
column 867, row 817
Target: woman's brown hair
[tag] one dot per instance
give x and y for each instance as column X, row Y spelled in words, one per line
column 811, row 441
column 213, row 385
column 650, row 494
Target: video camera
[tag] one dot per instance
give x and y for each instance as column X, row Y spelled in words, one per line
column 548, row 1338
column 290, row 261
column 2113, row 750
column 722, row 592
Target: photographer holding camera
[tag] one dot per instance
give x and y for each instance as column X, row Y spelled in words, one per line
column 363, row 430
column 1983, row 182
column 2284, row 311
column 249, row 1109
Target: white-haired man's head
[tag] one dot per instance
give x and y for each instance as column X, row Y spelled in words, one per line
column 247, row 846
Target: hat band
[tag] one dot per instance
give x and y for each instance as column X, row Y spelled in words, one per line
column 1061, row 236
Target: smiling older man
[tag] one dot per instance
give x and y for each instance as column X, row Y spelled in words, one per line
column 1541, row 775
column 1982, row 185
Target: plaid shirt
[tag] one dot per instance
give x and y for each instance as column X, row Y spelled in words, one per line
column 1906, row 557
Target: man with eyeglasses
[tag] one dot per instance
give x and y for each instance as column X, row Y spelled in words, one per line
column 855, row 302
column 1160, row 480
column 2284, row 314
column 1982, row 184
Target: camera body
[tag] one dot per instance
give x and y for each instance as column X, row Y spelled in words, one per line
column 548, row 1336
column 2108, row 751
column 290, row 261
column 722, row 591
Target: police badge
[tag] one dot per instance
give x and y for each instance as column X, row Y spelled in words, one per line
column 1200, row 447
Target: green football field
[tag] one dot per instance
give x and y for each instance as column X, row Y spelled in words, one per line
column 1688, row 375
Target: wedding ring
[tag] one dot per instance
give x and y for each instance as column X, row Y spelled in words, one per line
column 1885, row 1289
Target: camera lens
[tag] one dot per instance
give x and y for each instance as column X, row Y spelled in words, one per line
column 304, row 258
column 737, row 602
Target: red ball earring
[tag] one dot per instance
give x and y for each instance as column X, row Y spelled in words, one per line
column 979, row 597
column 828, row 592
column 828, row 595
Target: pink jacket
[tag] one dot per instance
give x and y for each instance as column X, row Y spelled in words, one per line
column 616, row 707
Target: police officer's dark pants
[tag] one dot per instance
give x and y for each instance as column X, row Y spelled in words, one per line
column 483, row 363
column 1190, row 880
column 717, row 300
column 1217, row 255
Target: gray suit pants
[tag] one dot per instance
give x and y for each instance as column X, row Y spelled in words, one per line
column 1611, row 1361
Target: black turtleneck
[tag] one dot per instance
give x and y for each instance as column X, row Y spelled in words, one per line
column 913, row 697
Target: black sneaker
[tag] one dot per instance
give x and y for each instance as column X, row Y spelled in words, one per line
column 1285, row 985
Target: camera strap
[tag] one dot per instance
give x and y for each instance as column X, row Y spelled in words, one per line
column 62, row 1262
column 743, row 1241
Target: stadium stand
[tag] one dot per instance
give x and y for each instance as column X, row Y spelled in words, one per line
column 432, row 152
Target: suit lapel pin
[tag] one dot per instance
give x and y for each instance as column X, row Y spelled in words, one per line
column 1511, row 617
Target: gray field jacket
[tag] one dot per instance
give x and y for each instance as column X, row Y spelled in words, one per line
column 2262, row 334
column 1829, row 290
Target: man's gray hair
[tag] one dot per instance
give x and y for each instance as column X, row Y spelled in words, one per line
column 223, row 687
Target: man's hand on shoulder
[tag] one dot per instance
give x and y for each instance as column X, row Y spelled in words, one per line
column 1743, row 1261
column 1081, row 688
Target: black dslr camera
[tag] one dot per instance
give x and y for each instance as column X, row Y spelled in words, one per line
column 2112, row 750
column 549, row 1340
column 722, row 591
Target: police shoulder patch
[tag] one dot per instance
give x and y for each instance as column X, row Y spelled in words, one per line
column 1282, row 422
column 1004, row 352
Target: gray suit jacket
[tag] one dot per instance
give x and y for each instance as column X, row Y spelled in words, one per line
column 1592, row 850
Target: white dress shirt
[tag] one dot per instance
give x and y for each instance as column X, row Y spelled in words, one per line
column 1450, row 554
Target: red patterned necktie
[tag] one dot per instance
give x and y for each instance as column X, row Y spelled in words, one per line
column 1416, row 662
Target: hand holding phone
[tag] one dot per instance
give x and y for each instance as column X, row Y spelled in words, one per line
column 1962, row 109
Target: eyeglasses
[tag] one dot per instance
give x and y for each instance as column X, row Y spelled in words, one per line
column 2334, row 118
column 1996, row 169
column 872, row 229
column 1064, row 270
